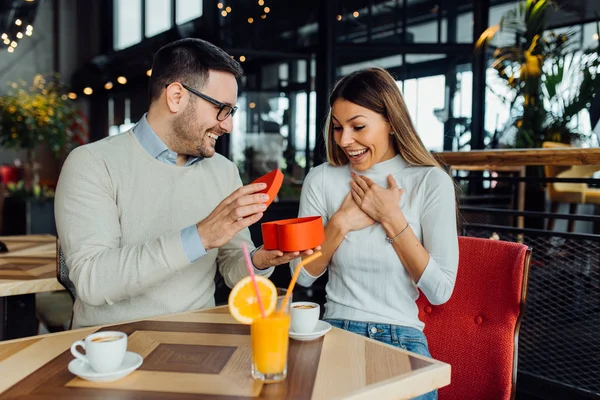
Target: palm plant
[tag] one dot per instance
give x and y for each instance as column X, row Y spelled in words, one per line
column 551, row 80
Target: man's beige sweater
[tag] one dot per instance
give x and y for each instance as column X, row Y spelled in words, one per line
column 119, row 213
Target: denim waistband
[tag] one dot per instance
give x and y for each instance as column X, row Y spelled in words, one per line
column 373, row 330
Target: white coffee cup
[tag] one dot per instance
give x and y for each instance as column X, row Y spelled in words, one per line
column 104, row 351
column 304, row 315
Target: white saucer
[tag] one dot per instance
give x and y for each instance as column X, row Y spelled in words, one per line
column 131, row 362
column 321, row 329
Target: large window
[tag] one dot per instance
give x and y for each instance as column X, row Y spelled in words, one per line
column 422, row 97
column 128, row 23
column 188, row 10
column 158, row 16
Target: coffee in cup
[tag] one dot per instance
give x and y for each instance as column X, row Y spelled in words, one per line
column 104, row 351
column 305, row 315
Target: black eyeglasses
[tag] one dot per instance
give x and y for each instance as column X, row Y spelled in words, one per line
column 225, row 110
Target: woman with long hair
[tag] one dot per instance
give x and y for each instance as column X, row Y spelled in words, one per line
column 389, row 214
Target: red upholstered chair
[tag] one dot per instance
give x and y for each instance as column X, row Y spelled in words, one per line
column 477, row 330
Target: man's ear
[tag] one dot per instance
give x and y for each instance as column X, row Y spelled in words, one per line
column 175, row 98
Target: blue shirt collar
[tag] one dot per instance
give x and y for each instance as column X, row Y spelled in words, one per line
column 155, row 146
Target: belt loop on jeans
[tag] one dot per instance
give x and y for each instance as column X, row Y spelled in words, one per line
column 394, row 333
column 346, row 324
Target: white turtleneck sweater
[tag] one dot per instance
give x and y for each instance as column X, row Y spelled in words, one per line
column 367, row 281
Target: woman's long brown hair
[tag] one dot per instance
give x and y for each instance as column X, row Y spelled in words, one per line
column 376, row 89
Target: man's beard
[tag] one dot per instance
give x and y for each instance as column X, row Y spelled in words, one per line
column 187, row 136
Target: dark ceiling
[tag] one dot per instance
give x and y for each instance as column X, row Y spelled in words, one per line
column 290, row 29
column 11, row 10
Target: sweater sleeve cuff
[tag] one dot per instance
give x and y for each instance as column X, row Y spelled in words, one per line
column 266, row 271
column 305, row 279
column 428, row 281
column 192, row 244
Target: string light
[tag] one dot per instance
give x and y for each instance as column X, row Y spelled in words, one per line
column 13, row 44
column 7, row 41
column 242, row 58
column 88, row 90
column 267, row 9
column 122, row 80
column 339, row 17
column 11, row 49
column 261, row 2
column 228, row 9
column 149, row 72
column 72, row 96
column 355, row 14
column 224, row 13
column 252, row 104
column 4, row 36
column 263, row 16
column 219, row 5
column 18, row 22
column 28, row 33
column 250, row 20
column 108, row 85
column 19, row 35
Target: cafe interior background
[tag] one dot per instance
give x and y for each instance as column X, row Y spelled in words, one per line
column 84, row 66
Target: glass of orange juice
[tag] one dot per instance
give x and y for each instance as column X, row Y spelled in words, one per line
column 270, row 343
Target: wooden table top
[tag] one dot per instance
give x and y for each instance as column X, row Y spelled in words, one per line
column 29, row 266
column 207, row 355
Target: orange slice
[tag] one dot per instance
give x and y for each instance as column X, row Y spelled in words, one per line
column 243, row 304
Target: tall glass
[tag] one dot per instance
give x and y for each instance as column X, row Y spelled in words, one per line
column 270, row 343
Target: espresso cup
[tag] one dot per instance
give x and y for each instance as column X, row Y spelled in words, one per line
column 304, row 315
column 104, row 351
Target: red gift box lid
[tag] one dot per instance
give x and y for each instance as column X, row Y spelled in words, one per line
column 274, row 180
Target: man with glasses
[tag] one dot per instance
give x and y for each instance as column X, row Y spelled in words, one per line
column 146, row 217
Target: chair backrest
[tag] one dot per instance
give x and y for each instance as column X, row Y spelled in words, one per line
column 561, row 171
column 476, row 331
column 62, row 272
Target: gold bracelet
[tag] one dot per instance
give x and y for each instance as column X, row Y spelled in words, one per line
column 398, row 235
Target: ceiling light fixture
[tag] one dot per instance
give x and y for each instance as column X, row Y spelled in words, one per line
column 88, row 90
column 122, row 80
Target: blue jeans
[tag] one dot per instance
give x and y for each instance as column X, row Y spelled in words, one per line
column 406, row 338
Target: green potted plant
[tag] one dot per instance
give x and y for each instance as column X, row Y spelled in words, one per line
column 33, row 117
column 550, row 78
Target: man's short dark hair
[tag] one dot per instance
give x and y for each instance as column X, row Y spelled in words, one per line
column 188, row 61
